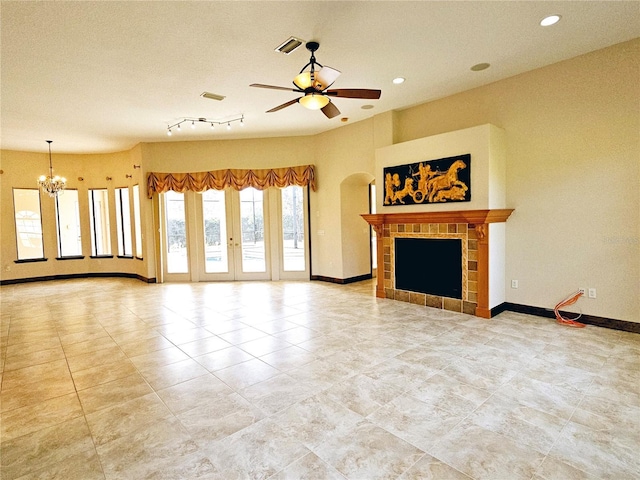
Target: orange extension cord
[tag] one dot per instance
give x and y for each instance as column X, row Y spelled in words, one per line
column 570, row 300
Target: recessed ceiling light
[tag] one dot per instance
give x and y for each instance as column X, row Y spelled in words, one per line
column 550, row 20
column 480, row 66
column 366, row 107
column 398, row 80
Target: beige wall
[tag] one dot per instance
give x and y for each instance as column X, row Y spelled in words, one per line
column 356, row 233
column 486, row 145
column 340, row 153
column 21, row 169
column 573, row 152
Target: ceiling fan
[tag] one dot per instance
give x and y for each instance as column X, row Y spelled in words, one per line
column 313, row 83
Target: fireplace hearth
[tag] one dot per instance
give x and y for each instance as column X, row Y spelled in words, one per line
column 470, row 228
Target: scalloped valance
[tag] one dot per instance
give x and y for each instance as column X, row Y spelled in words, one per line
column 301, row 175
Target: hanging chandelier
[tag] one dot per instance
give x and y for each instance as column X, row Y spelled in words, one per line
column 50, row 184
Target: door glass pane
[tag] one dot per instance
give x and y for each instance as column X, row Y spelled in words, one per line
column 177, row 259
column 252, row 225
column 136, row 219
column 26, row 204
column 123, row 222
column 68, row 218
column 99, row 221
column 293, row 229
column 215, row 232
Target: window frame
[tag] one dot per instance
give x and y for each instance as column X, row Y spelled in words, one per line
column 137, row 222
column 42, row 258
column 123, row 226
column 58, row 230
column 92, row 222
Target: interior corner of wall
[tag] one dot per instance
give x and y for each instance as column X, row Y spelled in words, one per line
column 497, row 264
column 497, row 167
column 384, row 129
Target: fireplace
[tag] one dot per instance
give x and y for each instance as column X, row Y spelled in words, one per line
column 470, row 230
column 429, row 265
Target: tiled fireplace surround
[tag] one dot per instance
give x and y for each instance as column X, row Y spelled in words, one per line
column 470, row 226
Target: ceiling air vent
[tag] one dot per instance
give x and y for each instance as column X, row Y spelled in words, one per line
column 212, row 96
column 289, row 45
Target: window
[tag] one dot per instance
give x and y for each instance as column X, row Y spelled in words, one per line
column 252, row 230
column 26, row 205
column 177, row 258
column 68, row 222
column 293, row 229
column 215, row 232
column 99, row 220
column 136, row 220
column 123, row 222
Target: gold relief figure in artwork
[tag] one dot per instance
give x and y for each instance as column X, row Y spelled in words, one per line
column 448, row 186
column 424, row 174
column 407, row 190
column 433, row 181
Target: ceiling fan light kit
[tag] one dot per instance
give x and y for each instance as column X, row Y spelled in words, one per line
column 314, row 82
column 313, row 101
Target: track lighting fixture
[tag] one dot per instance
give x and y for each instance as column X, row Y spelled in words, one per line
column 212, row 123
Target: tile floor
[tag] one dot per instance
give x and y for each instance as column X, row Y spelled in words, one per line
column 117, row 379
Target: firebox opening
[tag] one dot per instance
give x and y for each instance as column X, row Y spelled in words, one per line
column 429, row 265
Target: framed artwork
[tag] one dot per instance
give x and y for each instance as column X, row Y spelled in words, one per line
column 432, row 181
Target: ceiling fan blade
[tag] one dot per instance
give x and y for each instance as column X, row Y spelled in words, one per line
column 273, row 87
column 284, row 105
column 330, row 110
column 354, row 93
column 325, row 77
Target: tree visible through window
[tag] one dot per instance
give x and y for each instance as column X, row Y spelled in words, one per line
column 293, row 229
column 176, row 240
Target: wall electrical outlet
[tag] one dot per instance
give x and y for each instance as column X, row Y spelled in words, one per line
column 514, row 283
column 582, row 291
column 592, row 293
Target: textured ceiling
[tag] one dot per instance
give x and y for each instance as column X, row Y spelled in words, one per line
column 104, row 76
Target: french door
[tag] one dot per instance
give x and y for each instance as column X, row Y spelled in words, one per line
column 236, row 235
